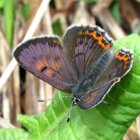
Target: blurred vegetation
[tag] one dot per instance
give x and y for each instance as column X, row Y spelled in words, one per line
column 22, row 90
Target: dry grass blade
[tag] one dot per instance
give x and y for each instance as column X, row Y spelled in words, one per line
column 29, row 33
column 138, row 125
column 5, row 124
column 101, row 11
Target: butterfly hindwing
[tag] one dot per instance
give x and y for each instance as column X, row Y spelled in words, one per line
column 95, row 97
column 121, row 63
column 44, row 57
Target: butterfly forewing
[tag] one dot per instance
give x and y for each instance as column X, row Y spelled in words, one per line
column 44, row 57
column 84, row 45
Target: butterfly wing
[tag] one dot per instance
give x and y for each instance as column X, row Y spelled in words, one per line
column 118, row 67
column 84, row 45
column 44, row 57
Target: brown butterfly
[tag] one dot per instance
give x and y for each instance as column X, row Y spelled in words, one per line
column 82, row 63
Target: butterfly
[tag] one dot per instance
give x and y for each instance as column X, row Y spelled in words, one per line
column 82, row 63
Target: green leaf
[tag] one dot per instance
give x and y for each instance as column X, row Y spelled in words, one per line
column 1, row 3
column 105, row 121
column 13, row 134
column 56, row 26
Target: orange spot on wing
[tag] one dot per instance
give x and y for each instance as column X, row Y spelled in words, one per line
column 49, row 72
column 90, row 97
column 56, row 42
column 39, row 65
column 57, row 64
column 121, row 57
column 98, row 38
column 51, row 67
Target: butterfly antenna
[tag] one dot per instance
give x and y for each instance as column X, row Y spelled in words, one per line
column 73, row 102
column 69, row 113
column 43, row 100
column 46, row 100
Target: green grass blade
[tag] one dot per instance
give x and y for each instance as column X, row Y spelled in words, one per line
column 9, row 20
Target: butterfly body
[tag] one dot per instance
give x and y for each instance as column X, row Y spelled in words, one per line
column 82, row 63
